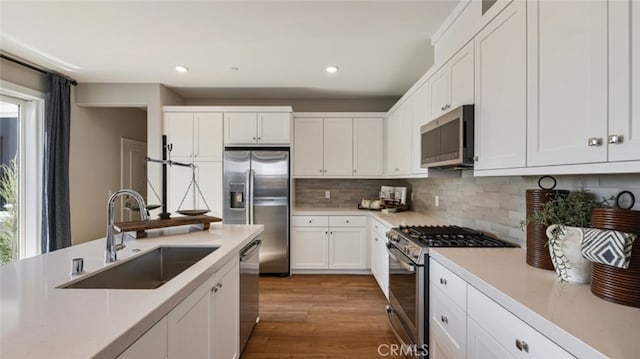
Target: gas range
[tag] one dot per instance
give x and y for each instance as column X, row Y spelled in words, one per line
column 414, row 241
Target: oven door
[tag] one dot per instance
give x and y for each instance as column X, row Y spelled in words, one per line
column 406, row 299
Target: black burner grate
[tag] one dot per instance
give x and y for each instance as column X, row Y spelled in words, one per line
column 450, row 236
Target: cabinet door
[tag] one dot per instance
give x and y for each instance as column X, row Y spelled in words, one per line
column 210, row 182
column 347, row 248
column 225, row 307
column 480, row 345
column 462, row 77
column 448, row 325
column 379, row 257
column 440, row 85
column 567, row 87
column 179, row 131
column 338, row 147
column 501, row 91
column 309, row 248
column 308, row 146
column 399, row 150
column 624, row 80
column 188, row 325
column 368, row 146
column 420, row 100
column 240, row 128
column 178, row 180
column 274, row 128
column 151, row 345
column 208, row 136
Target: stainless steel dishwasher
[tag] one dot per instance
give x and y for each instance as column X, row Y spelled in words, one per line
column 249, row 296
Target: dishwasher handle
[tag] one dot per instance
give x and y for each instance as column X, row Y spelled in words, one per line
column 248, row 251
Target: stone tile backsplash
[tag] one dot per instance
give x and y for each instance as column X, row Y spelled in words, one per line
column 345, row 193
column 495, row 205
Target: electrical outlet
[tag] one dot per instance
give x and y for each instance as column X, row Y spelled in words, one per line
column 412, row 196
column 327, row 194
column 437, row 201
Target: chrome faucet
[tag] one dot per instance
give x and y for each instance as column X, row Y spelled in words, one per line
column 110, row 255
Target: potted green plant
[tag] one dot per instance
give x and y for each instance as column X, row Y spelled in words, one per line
column 566, row 216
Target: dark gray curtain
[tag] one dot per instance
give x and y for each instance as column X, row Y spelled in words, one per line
column 56, row 221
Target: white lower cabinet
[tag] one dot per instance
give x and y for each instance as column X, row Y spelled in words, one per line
column 509, row 332
column 379, row 256
column 189, row 325
column 204, row 325
column 480, row 345
column 447, row 313
column 225, row 312
column 465, row 323
column 328, row 242
column 151, row 345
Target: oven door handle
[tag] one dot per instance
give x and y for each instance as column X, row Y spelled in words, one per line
column 409, row 267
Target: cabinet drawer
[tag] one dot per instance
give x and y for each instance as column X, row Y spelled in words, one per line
column 347, row 221
column 509, row 331
column 450, row 284
column 448, row 324
column 309, row 221
column 379, row 228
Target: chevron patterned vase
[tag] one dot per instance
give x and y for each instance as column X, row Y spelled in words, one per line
column 565, row 250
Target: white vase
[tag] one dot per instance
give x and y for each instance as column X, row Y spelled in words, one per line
column 566, row 256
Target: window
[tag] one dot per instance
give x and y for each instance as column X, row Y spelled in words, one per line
column 21, row 139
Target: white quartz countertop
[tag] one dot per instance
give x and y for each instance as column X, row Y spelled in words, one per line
column 39, row 320
column 568, row 314
column 389, row 219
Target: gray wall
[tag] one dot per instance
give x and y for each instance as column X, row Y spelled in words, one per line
column 94, row 163
column 381, row 104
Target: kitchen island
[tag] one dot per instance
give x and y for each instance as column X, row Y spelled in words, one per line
column 39, row 320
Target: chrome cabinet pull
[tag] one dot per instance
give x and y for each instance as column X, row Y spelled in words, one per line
column 522, row 345
column 615, row 139
column 594, row 141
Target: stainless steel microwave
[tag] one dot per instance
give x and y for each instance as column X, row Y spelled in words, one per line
column 447, row 141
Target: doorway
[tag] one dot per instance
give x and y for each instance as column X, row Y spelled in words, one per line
column 133, row 174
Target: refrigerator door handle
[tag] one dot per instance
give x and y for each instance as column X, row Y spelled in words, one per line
column 251, row 176
column 248, row 189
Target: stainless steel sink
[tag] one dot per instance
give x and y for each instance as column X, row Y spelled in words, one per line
column 148, row 271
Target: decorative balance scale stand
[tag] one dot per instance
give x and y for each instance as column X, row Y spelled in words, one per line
column 190, row 216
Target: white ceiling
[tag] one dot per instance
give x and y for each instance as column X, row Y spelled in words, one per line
column 280, row 47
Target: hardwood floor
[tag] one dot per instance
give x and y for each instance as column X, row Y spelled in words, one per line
column 320, row 317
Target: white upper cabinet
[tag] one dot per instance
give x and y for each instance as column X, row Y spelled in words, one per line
column 420, row 101
column 308, row 147
column 338, row 148
column 624, row 80
column 452, row 85
column 368, row 147
column 567, row 87
column 399, row 140
column 257, row 128
column 194, row 136
column 501, row 90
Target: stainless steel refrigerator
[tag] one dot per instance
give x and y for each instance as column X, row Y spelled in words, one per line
column 256, row 191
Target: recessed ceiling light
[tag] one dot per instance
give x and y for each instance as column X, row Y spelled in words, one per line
column 182, row 68
column 235, row 68
column 332, row 69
